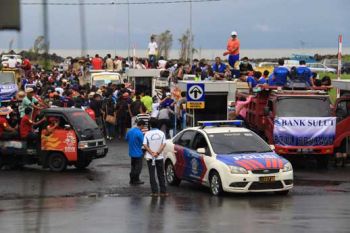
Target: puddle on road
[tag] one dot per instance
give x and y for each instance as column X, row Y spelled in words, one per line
column 317, row 183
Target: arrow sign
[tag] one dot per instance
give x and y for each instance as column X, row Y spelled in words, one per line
column 195, row 96
column 196, row 91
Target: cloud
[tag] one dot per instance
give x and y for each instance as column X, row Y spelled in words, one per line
column 262, row 27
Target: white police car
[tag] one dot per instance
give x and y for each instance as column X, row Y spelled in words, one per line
column 226, row 158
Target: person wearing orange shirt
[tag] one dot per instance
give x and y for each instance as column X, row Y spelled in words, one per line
column 233, row 46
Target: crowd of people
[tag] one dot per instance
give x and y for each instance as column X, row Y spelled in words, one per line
column 117, row 107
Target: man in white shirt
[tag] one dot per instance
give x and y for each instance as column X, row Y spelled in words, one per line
column 154, row 143
column 152, row 51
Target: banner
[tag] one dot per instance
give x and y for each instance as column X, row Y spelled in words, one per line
column 304, row 131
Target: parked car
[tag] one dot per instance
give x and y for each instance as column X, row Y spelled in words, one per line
column 318, row 67
column 345, row 68
column 331, row 63
column 269, row 66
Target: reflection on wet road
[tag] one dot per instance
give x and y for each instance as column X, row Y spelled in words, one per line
column 179, row 214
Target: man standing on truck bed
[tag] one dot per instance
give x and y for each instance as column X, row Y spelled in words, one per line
column 233, row 46
column 280, row 74
column 304, row 73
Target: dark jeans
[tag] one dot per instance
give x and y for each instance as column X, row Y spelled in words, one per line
column 122, row 128
column 165, row 125
column 160, row 173
column 136, row 167
column 110, row 130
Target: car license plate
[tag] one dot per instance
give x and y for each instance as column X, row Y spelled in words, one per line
column 267, row 179
column 100, row 152
column 305, row 150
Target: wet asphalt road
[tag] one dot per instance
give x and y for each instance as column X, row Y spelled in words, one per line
column 100, row 199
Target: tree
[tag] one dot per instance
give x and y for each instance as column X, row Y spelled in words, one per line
column 164, row 41
column 40, row 45
column 185, row 46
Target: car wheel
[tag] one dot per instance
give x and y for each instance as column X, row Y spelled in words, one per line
column 215, row 184
column 170, row 175
column 282, row 193
column 57, row 162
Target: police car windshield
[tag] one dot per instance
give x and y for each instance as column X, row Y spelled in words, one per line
column 232, row 143
column 303, row 107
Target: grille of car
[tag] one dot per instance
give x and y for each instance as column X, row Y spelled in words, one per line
column 238, row 184
column 265, row 171
column 262, row 186
column 95, row 143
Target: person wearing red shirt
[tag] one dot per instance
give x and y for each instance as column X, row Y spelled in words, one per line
column 97, row 63
column 6, row 131
column 26, row 65
column 26, row 126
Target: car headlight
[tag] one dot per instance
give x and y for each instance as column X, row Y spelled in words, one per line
column 238, row 170
column 287, row 167
column 83, row 145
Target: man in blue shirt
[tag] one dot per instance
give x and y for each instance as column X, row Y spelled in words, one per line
column 219, row 69
column 252, row 82
column 270, row 80
column 135, row 141
column 280, row 74
column 304, row 73
column 259, row 78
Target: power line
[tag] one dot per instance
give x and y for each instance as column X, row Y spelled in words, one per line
column 115, row 3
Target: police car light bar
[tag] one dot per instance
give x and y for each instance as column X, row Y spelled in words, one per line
column 237, row 123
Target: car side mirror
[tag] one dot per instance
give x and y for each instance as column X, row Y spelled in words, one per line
column 266, row 111
column 201, row 150
column 272, row 147
column 67, row 127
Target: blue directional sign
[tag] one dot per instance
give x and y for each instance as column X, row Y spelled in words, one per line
column 195, row 95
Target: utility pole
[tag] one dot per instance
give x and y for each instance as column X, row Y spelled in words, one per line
column 190, row 39
column 128, row 32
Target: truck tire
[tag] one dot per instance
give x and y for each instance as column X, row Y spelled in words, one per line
column 170, row 175
column 81, row 165
column 57, row 162
column 322, row 161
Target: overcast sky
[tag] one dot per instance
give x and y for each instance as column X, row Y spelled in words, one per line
column 259, row 23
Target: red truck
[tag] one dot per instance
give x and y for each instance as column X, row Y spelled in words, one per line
column 300, row 122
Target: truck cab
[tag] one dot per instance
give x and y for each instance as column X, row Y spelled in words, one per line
column 8, row 84
column 76, row 140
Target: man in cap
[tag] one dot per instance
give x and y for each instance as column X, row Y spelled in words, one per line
column 6, row 131
column 233, row 46
column 29, row 101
